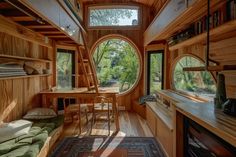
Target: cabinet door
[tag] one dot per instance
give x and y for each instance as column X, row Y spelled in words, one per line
column 165, row 136
column 151, row 120
column 56, row 15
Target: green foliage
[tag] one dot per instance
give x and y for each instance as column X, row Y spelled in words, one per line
column 196, row 82
column 64, row 70
column 108, row 17
column 116, row 63
column 155, row 72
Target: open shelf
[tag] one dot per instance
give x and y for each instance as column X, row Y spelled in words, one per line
column 220, row 30
column 25, row 58
column 25, row 76
column 211, row 68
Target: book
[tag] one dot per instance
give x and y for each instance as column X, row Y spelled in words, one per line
column 12, row 74
column 11, row 70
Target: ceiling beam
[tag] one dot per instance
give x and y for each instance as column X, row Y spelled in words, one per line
column 57, row 36
column 39, row 26
column 50, row 32
column 21, row 18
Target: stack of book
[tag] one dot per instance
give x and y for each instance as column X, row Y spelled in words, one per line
column 225, row 13
column 11, row 69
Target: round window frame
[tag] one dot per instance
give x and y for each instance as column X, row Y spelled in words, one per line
column 126, row 39
column 176, row 60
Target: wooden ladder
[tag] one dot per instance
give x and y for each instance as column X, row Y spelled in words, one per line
column 87, row 67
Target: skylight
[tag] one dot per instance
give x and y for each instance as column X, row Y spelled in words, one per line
column 113, row 16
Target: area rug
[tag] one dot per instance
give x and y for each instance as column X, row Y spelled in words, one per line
column 108, row 147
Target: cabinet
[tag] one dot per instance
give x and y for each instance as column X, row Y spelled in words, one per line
column 56, row 12
column 165, row 135
column 151, row 120
column 161, row 118
column 160, row 122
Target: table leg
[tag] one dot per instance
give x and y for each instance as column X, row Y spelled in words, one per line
column 44, row 100
column 116, row 113
column 79, row 119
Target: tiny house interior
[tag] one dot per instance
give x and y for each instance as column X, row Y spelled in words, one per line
column 112, row 78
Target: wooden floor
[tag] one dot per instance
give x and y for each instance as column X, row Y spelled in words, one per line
column 131, row 124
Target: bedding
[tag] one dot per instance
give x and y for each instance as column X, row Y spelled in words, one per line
column 29, row 145
column 14, row 129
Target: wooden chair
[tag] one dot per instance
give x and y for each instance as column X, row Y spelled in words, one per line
column 72, row 108
column 101, row 105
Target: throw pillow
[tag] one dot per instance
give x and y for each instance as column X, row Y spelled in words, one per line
column 40, row 113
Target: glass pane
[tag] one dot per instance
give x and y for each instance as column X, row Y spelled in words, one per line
column 155, row 77
column 117, row 64
column 199, row 83
column 113, row 17
column 64, row 70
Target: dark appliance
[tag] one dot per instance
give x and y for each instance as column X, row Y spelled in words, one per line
column 230, row 107
column 199, row 142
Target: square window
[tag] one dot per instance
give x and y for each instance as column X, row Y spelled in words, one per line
column 113, row 16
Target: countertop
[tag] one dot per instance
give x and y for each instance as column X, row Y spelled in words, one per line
column 212, row 119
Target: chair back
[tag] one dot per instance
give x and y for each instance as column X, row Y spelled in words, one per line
column 102, row 101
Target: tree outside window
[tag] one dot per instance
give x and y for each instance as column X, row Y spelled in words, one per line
column 64, row 70
column 110, row 16
column 199, row 83
column 117, row 64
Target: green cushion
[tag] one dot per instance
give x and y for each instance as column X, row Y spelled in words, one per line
column 30, row 145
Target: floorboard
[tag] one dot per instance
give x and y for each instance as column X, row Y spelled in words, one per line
column 131, row 125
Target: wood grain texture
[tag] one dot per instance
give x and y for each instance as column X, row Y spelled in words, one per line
column 21, row 32
column 19, row 94
column 154, row 5
column 176, row 16
column 222, row 51
column 212, row 119
column 165, row 136
column 162, row 113
column 136, row 36
column 151, row 120
column 131, row 124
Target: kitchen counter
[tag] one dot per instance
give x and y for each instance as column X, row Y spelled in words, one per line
column 212, row 119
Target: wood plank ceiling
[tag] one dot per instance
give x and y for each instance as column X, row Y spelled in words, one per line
column 24, row 16
column 155, row 5
column 29, row 19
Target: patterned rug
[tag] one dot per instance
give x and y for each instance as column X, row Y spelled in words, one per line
column 108, row 147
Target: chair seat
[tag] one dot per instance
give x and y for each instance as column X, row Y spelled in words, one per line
column 98, row 106
column 76, row 107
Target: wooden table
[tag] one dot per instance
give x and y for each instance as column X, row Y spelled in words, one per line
column 83, row 93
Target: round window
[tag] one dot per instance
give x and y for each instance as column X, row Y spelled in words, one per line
column 117, row 64
column 198, row 83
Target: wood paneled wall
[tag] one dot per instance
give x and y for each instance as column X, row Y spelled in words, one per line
column 223, row 51
column 136, row 36
column 20, row 94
